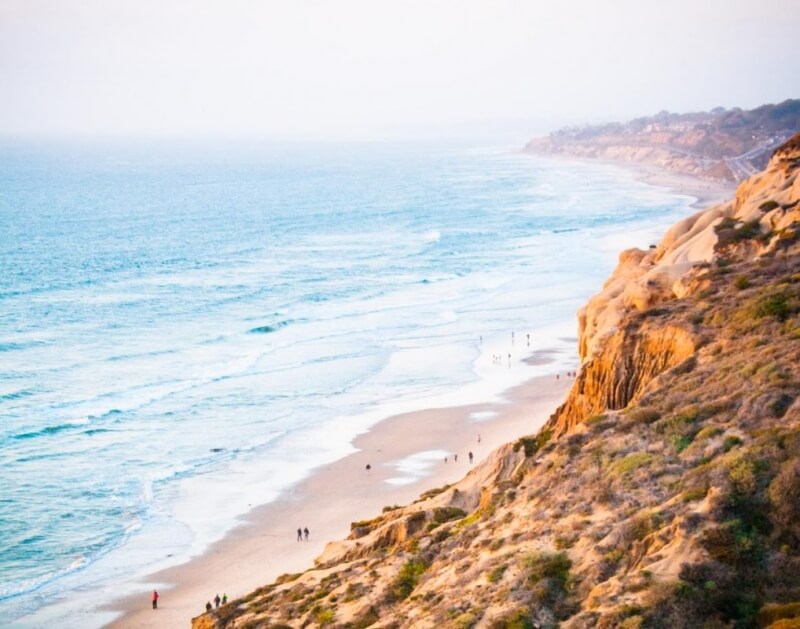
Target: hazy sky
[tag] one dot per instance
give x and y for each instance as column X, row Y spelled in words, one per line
column 363, row 69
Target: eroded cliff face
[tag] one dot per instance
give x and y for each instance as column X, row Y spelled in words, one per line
column 620, row 351
column 619, row 150
column 630, row 359
column 678, row 509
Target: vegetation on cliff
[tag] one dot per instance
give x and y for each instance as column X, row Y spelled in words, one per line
column 664, row 493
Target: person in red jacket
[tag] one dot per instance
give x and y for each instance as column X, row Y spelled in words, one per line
column 155, row 599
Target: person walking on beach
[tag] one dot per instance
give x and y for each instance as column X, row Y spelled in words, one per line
column 305, row 532
column 155, row 599
column 217, row 600
column 369, row 467
column 455, row 458
column 299, row 535
column 208, row 606
column 470, row 457
column 224, row 599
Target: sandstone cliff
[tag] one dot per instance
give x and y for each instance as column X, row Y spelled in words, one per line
column 664, row 493
column 621, row 352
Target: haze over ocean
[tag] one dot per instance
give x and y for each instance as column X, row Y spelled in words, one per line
column 186, row 332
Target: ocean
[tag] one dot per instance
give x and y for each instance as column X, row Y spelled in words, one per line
column 188, row 329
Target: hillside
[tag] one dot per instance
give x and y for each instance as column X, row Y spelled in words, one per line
column 665, row 492
column 727, row 145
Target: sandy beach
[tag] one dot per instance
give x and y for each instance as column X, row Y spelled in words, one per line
column 707, row 192
column 335, row 495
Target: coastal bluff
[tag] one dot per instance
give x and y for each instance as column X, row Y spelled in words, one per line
column 664, row 492
column 723, row 145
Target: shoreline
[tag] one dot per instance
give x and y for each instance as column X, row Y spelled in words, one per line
column 707, row 192
column 264, row 546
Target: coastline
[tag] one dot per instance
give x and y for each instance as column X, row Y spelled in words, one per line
column 264, row 546
column 707, row 192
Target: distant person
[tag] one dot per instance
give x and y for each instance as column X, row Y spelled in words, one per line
column 455, row 458
column 305, row 532
column 445, row 459
column 155, row 599
column 224, row 599
column 369, row 467
column 299, row 535
column 208, row 606
column 479, row 437
column 470, row 457
column 529, row 340
column 217, row 600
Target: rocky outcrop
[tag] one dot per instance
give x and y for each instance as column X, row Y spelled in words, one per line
column 629, row 360
column 620, row 351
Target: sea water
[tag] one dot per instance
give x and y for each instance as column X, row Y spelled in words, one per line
column 187, row 330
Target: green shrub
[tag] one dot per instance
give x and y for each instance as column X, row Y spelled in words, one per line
column 780, row 405
column 551, row 566
column 446, row 514
column 518, row 619
column 432, row 492
column 407, row 579
column 325, row 617
column 741, row 282
column 690, row 495
column 779, row 304
column 682, row 442
column 680, row 429
column 465, row 621
column 532, row 445
column 731, row 544
column 731, row 442
column 497, row 573
column 631, row 463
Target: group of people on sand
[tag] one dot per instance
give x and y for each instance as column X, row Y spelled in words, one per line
column 455, row 457
column 217, row 601
column 497, row 359
column 469, row 454
column 569, row 374
column 301, row 533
